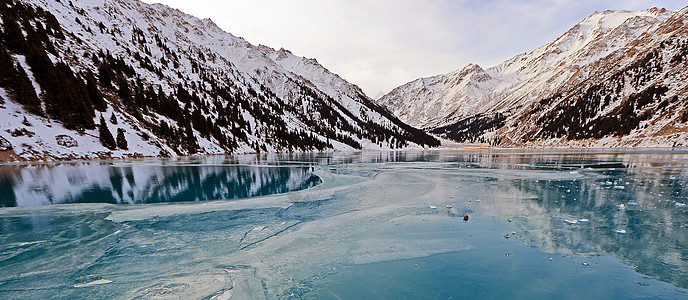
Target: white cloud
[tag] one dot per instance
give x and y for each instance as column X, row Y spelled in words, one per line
column 385, row 43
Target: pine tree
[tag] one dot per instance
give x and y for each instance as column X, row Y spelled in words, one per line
column 190, row 140
column 75, row 106
column 94, row 93
column 25, row 93
column 66, row 97
column 15, row 80
column 105, row 74
column 7, row 65
column 124, row 93
column 53, row 26
column 113, row 119
column 121, row 140
column 105, row 136
column 13, row 35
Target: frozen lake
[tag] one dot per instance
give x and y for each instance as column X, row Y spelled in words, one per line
column 541, row 225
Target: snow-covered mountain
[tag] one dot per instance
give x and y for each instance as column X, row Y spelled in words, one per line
column 77, row 73
column 439, row 100
column 612, row 68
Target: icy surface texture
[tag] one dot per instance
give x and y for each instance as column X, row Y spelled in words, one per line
column 368, row 231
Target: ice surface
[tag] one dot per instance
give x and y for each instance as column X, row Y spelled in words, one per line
column 368, row 230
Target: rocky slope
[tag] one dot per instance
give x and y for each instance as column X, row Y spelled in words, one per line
column 615, row 79
column 116, row 78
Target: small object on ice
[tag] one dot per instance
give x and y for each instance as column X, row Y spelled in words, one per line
column 507, row 236
column 449, row 206
column 574, row 221
column 585, row 264
column 99, row 281
column 551, row 259
column 621, row 207
column 510, row 220
column 619, row 187
column 632, row 204
column 465, row 218
column 477, row 200
column 432, row 206
column 679, row 205
column 513, row 233
column 621, row 231
column 95, row 282
column 583, row 220
column 508, row 254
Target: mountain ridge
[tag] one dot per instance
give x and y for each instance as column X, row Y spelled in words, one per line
column 593, row 51
column 178, row 84
column 508, row 72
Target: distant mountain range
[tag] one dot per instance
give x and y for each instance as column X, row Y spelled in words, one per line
column 616, row 79
column 118, row 78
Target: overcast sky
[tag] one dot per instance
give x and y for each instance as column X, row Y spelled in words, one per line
column 381, row 44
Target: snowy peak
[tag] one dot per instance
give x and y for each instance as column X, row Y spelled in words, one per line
column 614, row 25
column 610, row 19
column 470, row 77
column 426, row 102
column 471, row 73
column 282, row 54
column 593, row 38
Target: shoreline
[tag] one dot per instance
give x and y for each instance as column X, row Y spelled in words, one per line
column 10, row 158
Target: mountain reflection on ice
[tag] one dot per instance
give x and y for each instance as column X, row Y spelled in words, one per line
column 380, row 226
column 632, row 213
column 129, row 183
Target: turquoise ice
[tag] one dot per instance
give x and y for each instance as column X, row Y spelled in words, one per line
column 353, row 226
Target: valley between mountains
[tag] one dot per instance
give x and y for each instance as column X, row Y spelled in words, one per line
column 85, row 79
